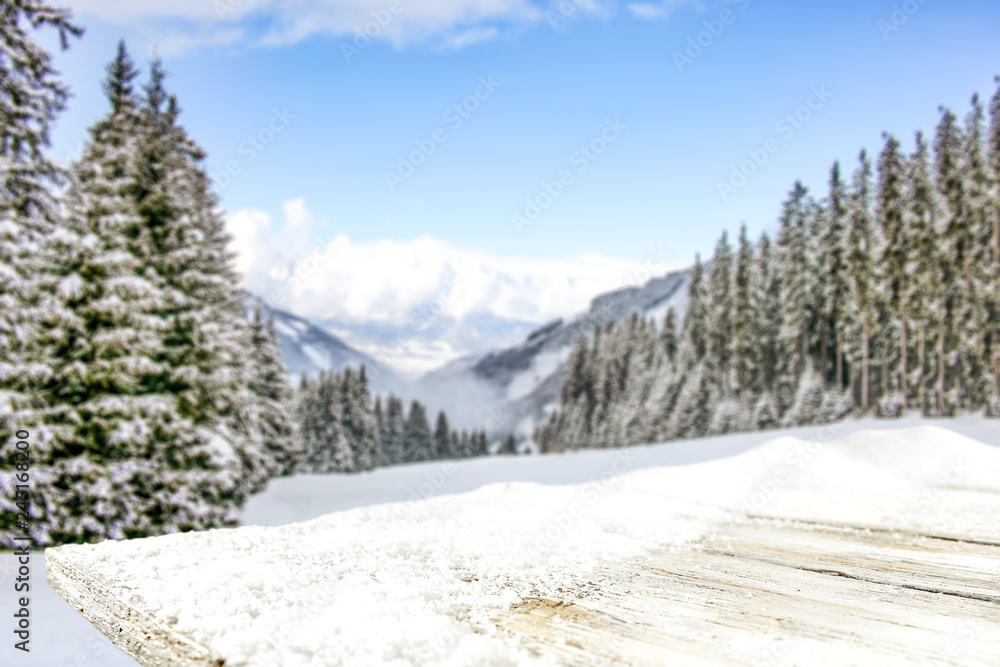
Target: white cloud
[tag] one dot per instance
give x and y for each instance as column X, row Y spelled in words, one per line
column 654, row 10
column 452, row 23
column 320, row 277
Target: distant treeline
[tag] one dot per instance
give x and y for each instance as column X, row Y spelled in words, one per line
column 341, row 430
column 882, row 297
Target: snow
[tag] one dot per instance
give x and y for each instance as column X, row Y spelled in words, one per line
column 418, row 582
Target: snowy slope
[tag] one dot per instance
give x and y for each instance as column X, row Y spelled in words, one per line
column 425, row 583
column 62, row 638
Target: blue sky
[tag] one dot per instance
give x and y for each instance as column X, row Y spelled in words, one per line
column 685, row 128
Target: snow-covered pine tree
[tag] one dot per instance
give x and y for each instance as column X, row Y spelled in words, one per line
column 744, row 337
column 482, row 447
column 694, row 333
column 924, row 295
column 695, row 407
column 956, row 274
column 185, row 244
column 465, row 445
column 381, row 458
column 324, row 441
column 454, row 446
column 977, row 186
column 767, row 320
column 103, row 426
column 31, row 97
column 668, row 335
column 833, row 270
column 793, row 267
column 274, row 397
column 891, row 271
column 392, row 443
column 357, row 418
column 508, row 446
column 442, row 437
column 720, row 317
column 992, row 291
column 861, row 313
column 418, row 442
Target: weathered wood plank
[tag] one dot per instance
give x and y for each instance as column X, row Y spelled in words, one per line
column 141, row 635
column 767, row 590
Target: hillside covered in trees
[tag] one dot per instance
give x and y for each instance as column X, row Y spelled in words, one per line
column 342, row 431
column 880, row 297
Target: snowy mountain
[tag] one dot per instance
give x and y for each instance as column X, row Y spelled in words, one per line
column 308, row 349
column 512, row 389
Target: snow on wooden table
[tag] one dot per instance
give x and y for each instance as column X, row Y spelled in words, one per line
column 880, row 548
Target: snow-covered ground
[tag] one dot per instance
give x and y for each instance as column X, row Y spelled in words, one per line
column 61, row 638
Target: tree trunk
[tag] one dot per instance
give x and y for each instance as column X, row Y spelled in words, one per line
column 996, row 364
column 864, row 367
column 922, row 361
column 903, row 349
column 840, row 361
column 941, row 372
column 824, row 359
column 885, row 365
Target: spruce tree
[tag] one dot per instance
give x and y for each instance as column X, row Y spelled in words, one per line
column 833, row 269
column 924, row 295
column 892, row 275
column 326, row 446
column 274, row 397
column 696, row 317
column 31, row 98
column 442, row 437
column 185, row 244
column 793, row 266
column 360, row 427
column 744, row 337
column 977, row 187
column 668, row 335
column 381, row 427
column 956, row 275
column 862, row 311
column 393, row 445
column 508, row 446
column 720, row 316
column 992, row 289
column 417, row 438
